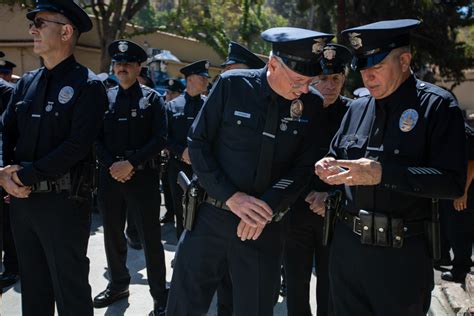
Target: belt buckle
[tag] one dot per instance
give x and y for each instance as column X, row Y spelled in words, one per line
column 354, row 224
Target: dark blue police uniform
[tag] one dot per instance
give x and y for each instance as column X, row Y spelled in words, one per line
column 379, row 261
column 224, row 144
column 50, row 125
column 181, row 114
column 135, row 130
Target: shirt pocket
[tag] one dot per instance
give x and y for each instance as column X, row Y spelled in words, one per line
column 352, row 146
column 240, row 132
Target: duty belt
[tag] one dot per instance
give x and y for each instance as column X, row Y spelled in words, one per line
column 354, row 222
column 63, row 184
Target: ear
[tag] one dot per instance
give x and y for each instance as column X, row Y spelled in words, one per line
column 272, row 64
column 67, row 32
column 405, row 61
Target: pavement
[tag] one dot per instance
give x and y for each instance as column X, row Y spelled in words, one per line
column 447, row 298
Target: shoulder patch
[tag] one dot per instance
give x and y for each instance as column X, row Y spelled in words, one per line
column 92, row 75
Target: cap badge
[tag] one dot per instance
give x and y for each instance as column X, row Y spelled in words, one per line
column 170, row 82
column 329, row 52
column 355, row 40
column 408, row 120
column 123, row 46
column 206, row 65
column 296, row 109
column 66, row 94
column 318, row 45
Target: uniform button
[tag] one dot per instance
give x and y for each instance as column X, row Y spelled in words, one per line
column 295, row 132
column 405, row 229
column 396, row 151
column 366, row 227
column 56, row 114
column 239, row 122
column 422, row 84
column 398, row 238
column 381, row 229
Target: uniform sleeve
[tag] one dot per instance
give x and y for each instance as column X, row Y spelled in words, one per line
column 6, row 92
column 159, row 132
column 105, row 158
column 10, row 131
column 284, row 191
column 202, row 134
column 85, row 125
column 173, row 144
column 444, row 174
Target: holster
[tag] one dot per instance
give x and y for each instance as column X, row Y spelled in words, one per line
column 192, row 198
column 164, row 158
column 432, row 230
column 82, row 180
column 332, row 206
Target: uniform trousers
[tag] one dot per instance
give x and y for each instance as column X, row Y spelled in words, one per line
column 210, row 250
column 373, row 280
column 167, row 193
column 10, row 261
column 174, row 167
column 141, row 196
column 51, row 233
column 303, row 247
column 460, row 231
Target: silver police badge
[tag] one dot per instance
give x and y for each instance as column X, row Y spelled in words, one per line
column 296, row 109
column 283, row 126
column 66, row 94
column 408, row 120
column 170, row 82
column 134, row 113
column 355, row 40
column 49, row 107
column 329, row 52
column 123, row 46
column 318, row 45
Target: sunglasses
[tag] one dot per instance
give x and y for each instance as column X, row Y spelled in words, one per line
column 39, row 23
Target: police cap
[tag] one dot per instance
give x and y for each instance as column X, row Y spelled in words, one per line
column 2, row 54
column 68, row 8
column 334, row 59
column 373, row 42
column 200, row 68
column 126, row 51
column 175, row 85
column 298, row 48
column 238, row 54
column 6, row 66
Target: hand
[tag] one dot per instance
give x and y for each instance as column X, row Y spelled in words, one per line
column 323, row 169
column 316, row 202
column 185, row 156
column 128, row 177
column 247, row 232
column 120, row 170
column 13, row 188
column 250, row 209
column 460, row 204
column 362, row 171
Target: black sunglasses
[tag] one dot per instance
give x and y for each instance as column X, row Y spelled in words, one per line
column 40, row 22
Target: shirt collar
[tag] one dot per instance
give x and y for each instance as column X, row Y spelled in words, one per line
column 133, row 90
column 61, row 69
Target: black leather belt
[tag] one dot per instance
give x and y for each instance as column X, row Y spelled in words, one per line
column 353, row 222
column 61, row 185
column 217, row 203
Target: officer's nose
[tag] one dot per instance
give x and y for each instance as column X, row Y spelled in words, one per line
column 305, row 88
column 367, row 74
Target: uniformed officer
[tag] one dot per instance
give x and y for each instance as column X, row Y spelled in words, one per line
column 395, row 151
column 50, row 125
column 174, row 88
column 304, row 244
column 10, row 263
column 133, row 134
column 459, row 217
column 238, row 57
column 181, row 113
column 250, row 147
column 6, row 68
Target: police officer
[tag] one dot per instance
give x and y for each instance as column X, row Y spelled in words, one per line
column 395, row 151
column 304, row 243
column 133, row 134
column 181, row 113
column 50, row 125
column 10, row 263
column 6, row 69
column 459, row 217
column 250, row 147
column 238, row 57
column 174, row 88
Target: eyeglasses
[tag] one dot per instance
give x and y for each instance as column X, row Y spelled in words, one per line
column 39, row 23
column 297, row 85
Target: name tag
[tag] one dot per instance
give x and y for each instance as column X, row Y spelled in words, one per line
column 123, row 119
column 242, row 114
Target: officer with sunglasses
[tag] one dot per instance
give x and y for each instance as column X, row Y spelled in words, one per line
column 305, row 234
column 50, row 125
column 251, row 149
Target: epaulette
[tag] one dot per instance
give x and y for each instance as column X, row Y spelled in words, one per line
column 176, row 105
column 434, row 89
column 247, row 73
column 91, row 76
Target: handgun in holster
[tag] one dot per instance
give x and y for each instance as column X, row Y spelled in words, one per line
column 164, row 158
column 332, row 203
column 432, row 229
column 192, row 198
column 82, row 178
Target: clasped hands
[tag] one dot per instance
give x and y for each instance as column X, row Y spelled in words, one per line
column 11, row 183
column 121, row 171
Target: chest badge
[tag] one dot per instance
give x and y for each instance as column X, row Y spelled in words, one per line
column 133, row 113
column 408, row 120
column 66, row 94
column 296, row 109
column 49, row 107
column 283, row 126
